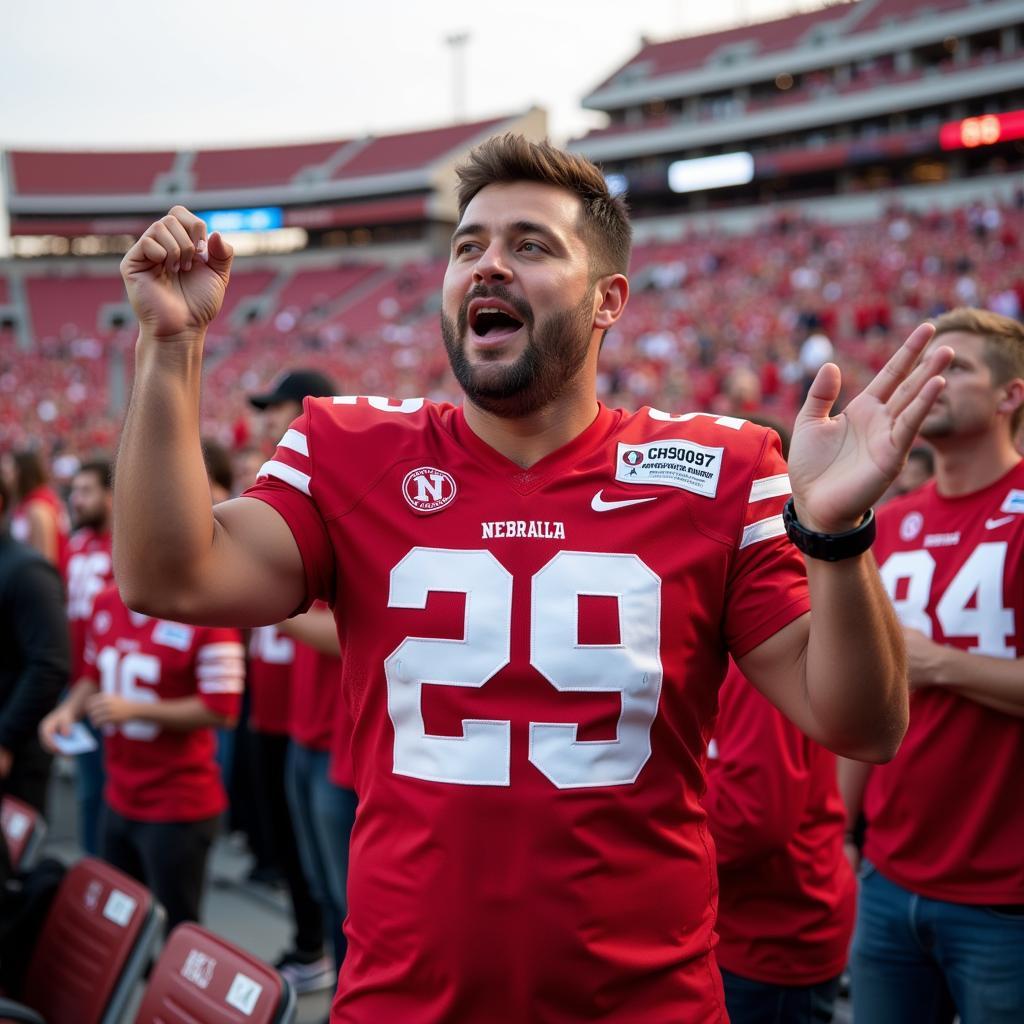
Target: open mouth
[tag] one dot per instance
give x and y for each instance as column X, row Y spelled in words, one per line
column 493, row 322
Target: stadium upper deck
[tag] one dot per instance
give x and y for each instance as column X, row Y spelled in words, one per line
column 348, row 191
column 842, row 100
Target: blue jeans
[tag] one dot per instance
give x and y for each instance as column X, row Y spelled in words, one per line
column 921, row 961
column 322, row 814
column 89, row 782
column 759, row 1002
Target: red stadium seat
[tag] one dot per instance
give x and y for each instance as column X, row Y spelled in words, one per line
column 24, row 830
column 97, row 940
column 202, row 977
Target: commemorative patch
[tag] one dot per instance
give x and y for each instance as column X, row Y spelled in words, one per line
column 173, row 634
column 1014, row 502
column 672, row 462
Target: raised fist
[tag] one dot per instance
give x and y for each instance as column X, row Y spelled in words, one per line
column 176, row 277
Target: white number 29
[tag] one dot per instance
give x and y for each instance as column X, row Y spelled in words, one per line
column 481, row 756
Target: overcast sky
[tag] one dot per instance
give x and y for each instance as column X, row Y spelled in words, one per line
column 119, row 73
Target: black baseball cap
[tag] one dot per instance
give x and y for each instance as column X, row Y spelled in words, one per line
column 294, row 386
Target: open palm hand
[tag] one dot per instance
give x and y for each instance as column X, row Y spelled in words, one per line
column 840, row 466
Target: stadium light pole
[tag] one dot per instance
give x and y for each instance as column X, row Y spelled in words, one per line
column 456, row 42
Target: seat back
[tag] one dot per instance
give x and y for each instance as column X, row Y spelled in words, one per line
column 97, row 940
column 24, row 829
column 201, row 976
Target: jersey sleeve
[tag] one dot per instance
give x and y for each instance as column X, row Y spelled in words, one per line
column 286, row 483
column 220, row 670
column 767, row 586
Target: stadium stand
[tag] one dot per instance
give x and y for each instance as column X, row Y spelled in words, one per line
column 393, row 153
column 851, row 98
column 68, row 306
column 231, row 169
column 708, row 310
column 113, row 174
column 720, row 306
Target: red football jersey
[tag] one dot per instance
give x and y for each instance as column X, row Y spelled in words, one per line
column 787, row 894
column 316, row 683
column 271, row 656
column 156, row 774
column 532, row 659
column 945, row 815
column 89, row 569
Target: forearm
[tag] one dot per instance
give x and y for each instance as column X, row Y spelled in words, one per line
column 78, row 697
column 996, row 683
column 163, row 519
column 855, row 667
column 316, row 628
column 853, row 781
column 181, row 714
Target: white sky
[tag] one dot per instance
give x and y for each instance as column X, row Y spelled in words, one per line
column 153, row 73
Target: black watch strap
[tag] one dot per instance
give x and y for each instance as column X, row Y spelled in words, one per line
column 829, row 547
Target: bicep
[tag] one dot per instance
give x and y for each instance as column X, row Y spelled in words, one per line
column 777, row 668
column 254, row 574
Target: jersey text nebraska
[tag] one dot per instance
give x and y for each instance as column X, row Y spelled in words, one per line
column 539, row 528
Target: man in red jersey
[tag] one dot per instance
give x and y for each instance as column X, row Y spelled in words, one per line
column 940, row 928
column 323, row 811
column 157, row 689
column 273, row 710
column 536, row 596
column 89, row 570
column 787, row 894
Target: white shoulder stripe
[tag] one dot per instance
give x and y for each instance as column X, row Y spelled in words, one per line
column 233, row 685
column 297, row 479
column 763, row 529
column 295, row 440
column 221, row 648
column 770, row 487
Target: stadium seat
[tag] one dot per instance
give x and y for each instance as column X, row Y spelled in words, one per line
column 24, row 829
column 98, row 938
column 15, row 1013
column 202, row 977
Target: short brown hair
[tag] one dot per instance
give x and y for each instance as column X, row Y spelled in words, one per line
column 1004, row 344
column 604, row 222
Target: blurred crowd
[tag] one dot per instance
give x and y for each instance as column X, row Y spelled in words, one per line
column 735, row 325
column 719, row 322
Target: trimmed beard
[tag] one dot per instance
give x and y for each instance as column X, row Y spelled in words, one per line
column 555, row 352
column 94, row 521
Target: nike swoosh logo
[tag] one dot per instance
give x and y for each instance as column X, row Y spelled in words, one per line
column 994, row 524
column 598, row 504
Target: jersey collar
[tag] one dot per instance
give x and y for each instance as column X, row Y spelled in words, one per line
column 525, row 481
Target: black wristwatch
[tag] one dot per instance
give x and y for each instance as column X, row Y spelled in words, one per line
column 830, row 547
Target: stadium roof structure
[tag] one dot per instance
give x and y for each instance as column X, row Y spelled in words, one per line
column 323, row 184
column 719, row 63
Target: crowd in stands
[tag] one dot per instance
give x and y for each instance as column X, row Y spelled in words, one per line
column 733, row 325
column 716, row 322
